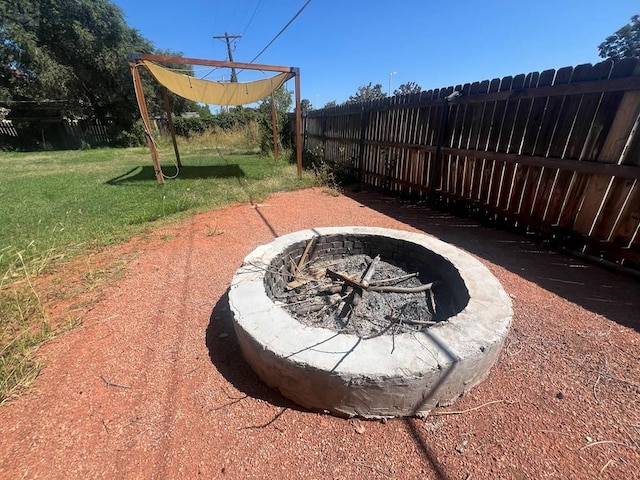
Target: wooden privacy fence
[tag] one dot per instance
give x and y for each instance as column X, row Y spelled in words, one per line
column 53, row 133
column 557, row 151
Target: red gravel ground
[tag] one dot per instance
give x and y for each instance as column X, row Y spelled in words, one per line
column 152, row 385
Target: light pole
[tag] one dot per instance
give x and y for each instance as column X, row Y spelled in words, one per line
column 390, row 78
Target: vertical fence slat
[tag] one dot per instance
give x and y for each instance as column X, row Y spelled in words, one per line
column 533, row 144
column 515, row 181
column 505, row 144
column 484, row 141
column 558, row 147
column 474, row 164
column 494, row 145
column 545, row 146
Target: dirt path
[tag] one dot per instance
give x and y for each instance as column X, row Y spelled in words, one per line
column 152, row 384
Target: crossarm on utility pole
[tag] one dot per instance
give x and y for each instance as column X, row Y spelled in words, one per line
column 227, row 37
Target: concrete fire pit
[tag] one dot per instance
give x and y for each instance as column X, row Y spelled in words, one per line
column 390, row 375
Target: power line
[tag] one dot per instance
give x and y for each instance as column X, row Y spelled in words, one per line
column 281, row 31
column 252, row 16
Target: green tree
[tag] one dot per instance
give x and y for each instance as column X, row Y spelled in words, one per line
column 305, row 105
column 407, row 88
column 624, row 43
column 73, row 52
column 331, row 104
column 366, row 93
column 283, row 102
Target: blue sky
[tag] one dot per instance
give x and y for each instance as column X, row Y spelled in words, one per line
column 340, row 45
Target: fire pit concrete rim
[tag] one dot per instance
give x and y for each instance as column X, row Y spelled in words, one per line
column 483, row 323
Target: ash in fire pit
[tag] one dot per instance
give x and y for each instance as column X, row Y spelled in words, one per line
column 359, row 295
column 368, row 321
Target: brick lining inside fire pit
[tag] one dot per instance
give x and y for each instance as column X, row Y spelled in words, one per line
column 386, row 376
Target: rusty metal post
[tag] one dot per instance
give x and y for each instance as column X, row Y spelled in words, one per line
column 167, row 107
column 137, row 85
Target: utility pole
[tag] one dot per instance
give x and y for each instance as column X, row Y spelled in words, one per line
column 227, row 39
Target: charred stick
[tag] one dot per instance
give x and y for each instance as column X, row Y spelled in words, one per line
column 364, row 282
column 316, row 304
column 347, row 280
column 419, row 322
column 330, row 289
column 303, row 258
column 368, row 274
column 421, row 288
column 309, row 308
column 394, row 321
column 394, row 279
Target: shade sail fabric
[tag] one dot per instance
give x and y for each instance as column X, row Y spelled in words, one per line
column 216, row 93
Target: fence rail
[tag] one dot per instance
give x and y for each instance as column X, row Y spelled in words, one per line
column 556, row 151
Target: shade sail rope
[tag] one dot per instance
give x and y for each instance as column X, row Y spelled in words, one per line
column 216, row 93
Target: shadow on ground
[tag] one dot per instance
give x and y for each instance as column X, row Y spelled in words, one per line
column 225, row 354
column 611, row 293
column 146, row 173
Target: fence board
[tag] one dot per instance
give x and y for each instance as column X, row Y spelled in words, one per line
column 509, row 126
column 517, row 140
column 475, row 163
column 494, row 145
column 533, row 144
column 546, row 146
column 486, row 129
column 561, row 138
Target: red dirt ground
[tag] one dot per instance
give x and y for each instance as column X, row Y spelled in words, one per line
column 152, row 385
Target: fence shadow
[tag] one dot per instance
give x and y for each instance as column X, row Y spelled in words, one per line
column 146, row 173
column 601, row 290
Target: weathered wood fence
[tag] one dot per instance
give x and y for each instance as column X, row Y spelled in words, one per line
column 53, row 133
column 557, row 152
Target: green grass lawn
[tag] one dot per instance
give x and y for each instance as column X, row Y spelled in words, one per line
column 55, row 206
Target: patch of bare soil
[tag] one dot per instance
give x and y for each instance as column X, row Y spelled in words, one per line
column 152, row 385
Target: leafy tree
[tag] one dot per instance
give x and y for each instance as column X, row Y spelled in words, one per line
column 74, row 52
column 407, row 88
column 366, row 93
column 331, row 104
column 283, row 102
column 305, row 105
column 624, row 43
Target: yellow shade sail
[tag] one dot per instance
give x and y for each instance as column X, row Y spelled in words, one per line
column 216, row 93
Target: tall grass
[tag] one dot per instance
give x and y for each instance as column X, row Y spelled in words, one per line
column 55, row 206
